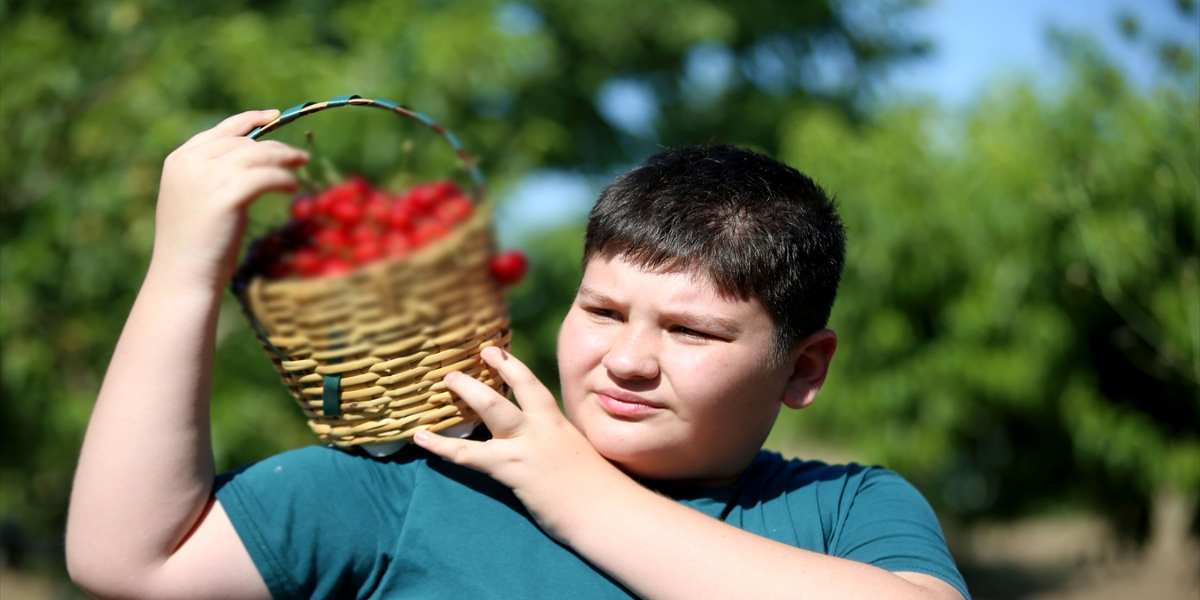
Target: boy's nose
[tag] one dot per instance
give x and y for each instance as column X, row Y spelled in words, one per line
column 632, row 356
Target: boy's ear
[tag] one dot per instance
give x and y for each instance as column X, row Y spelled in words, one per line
column 810, row 362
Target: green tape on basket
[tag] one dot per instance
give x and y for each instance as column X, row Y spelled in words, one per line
column 331, row 396
column 424, row 119
column 476, row 176
column 342, row 100
column 388, row 104
column 294, row 111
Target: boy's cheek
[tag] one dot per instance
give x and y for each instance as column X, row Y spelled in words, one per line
column 580, row 349
column 577, row 338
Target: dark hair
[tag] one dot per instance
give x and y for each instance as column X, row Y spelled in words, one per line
column 756, row 227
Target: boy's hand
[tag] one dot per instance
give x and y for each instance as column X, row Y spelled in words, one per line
column 534, row 449
column 207, row 183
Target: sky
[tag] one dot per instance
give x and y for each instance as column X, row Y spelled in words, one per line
column 975, row 42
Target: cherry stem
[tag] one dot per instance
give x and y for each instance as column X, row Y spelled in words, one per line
column 304, row 175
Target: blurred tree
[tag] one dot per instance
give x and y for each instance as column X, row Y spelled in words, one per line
column 93, row 95
column 1021, row 313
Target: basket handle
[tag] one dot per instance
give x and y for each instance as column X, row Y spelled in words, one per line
column 308, row 108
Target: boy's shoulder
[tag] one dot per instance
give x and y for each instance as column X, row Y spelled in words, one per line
column 794, row 472
column 317, row 519
column 312, row 473
column 866, row 513
column 311, row 460
column 837, row 492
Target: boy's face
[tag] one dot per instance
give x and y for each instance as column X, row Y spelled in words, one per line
column 695, row 369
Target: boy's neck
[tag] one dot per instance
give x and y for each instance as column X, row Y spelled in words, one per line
column 685, row 487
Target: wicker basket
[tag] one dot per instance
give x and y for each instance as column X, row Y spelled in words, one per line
column 364, row 353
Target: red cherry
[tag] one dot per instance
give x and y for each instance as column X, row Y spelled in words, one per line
column 325, row 201
column 335, row 265
column 362, row 232
column 331, row 238
column 304, row 208
column 427, row 231
column 333, row 201
column 347, row 211
column 400, row 216
column 455, row 210
column 397, row 244
column 422, row 198
column 307, row 262
column 378, row 207
column 354, row 189
column 508, row 267
column 359, row 186
column 367, row 251
column 443, row 189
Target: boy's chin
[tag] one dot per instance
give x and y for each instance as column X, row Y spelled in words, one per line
column 640, row 468
column 656, row 474
column 634, row 461
column 659, row 461
column 645, row 463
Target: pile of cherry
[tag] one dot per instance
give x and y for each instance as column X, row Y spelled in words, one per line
column 352, row 224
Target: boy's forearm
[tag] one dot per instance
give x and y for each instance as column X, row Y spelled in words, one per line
column 661, row 549
column 146, row 468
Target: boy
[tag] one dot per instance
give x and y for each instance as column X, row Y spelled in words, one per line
column 709, row 277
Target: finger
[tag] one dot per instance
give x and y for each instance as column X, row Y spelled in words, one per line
column 527, row 388
column 236, row 125
column 467, row 453
column 213, row 148
column 502, row 417
column 260, row 180
column 267, row 154
column 228, row 145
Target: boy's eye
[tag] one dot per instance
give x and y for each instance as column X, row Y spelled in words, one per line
column 603, row 313
column 692, row 333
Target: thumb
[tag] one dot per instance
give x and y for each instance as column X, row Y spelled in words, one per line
column 236, row 125
column 242, row 123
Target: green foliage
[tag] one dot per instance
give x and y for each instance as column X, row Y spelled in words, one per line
column 1020, row 318
column 94, row 95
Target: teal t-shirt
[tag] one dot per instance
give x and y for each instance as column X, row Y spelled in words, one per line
column 326, row 523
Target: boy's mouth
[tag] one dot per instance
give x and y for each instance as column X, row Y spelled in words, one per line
column 619, row 403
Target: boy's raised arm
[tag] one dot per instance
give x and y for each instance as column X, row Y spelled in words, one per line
column 142, row 520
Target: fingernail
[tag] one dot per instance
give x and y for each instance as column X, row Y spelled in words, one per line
column 421, row 436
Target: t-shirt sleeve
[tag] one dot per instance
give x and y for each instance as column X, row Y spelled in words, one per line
column 307, row 520
column 890, row 525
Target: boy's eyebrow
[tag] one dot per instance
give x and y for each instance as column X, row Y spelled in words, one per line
column 711, row 323
column 594, row 295
column 708, row 322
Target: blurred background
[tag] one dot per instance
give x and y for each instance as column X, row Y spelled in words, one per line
column 1020, row 181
